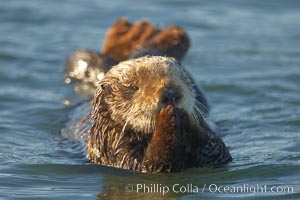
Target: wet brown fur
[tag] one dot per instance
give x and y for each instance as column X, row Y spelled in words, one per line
column 173, row 142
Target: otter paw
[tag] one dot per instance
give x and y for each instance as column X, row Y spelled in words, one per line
column 166, row 118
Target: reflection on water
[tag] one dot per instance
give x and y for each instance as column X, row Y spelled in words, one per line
column 245, row 54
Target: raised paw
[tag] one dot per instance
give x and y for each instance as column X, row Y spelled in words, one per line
column 166, row 119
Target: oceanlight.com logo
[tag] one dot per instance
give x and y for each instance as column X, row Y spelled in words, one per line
column 209, row 188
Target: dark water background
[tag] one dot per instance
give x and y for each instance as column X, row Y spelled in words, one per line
column 245, row 54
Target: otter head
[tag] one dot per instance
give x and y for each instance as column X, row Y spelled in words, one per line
column 134, row 91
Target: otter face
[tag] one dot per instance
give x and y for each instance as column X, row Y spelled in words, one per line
column 136, row 90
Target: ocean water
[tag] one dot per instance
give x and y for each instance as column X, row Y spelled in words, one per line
column 245, row 54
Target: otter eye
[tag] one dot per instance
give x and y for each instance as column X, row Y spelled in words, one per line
column 106, row 88
column 102, row 86
column 134, row 88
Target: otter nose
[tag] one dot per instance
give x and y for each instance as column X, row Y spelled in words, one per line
column 171, row 96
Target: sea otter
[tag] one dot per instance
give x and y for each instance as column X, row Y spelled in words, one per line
column 149, row 116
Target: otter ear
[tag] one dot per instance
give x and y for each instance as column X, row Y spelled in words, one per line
column 106, row 88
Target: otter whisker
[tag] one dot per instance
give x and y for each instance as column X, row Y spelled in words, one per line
column 123, row 129
column 203, row 110
column 195, row 118
column 117, row 144
column 197, row 115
